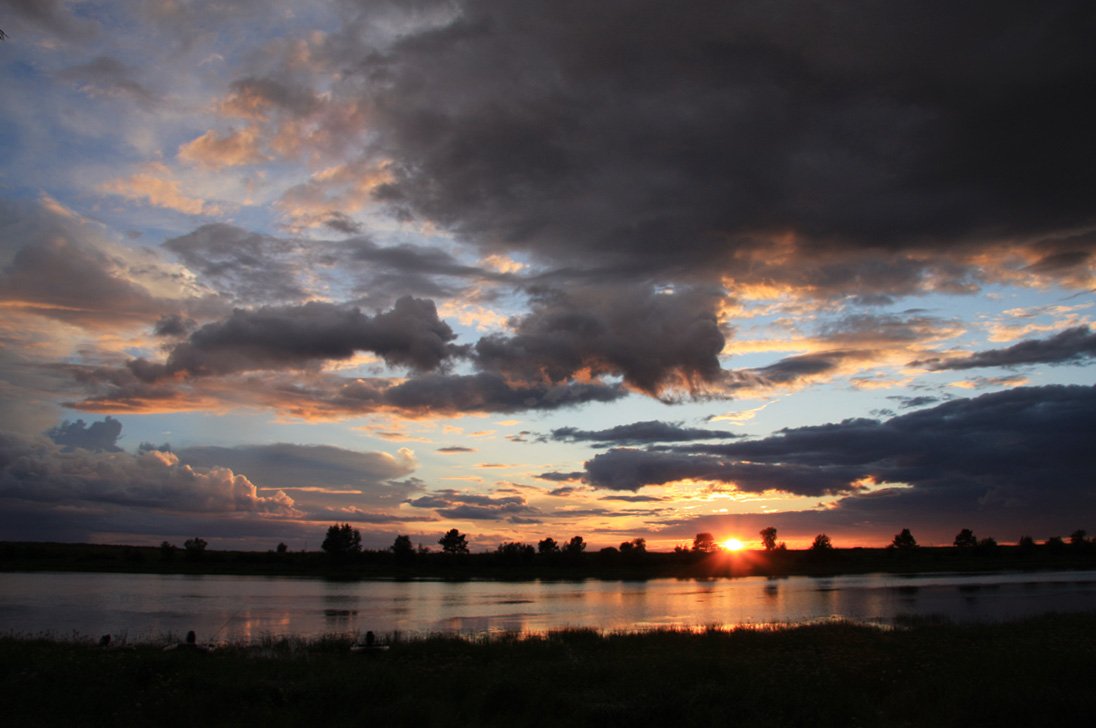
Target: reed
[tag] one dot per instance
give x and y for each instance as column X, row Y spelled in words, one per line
column 924, row 673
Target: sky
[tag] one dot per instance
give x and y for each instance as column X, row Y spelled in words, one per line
column 623, row 269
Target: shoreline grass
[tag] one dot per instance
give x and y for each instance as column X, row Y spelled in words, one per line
column 927, row 673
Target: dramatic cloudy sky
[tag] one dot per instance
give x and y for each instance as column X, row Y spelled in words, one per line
column 528, row 269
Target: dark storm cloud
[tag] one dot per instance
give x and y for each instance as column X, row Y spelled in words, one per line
column 792, row 368
column 411, row 259
column 291, row 466
column 1071, row 346
column 488, row 392
column 277, row 337
column 174, row 325
column 632, row 133
column 1019, row 448
column 98, row 436
column 653, row 340
column 141, row 386
column 639, row 433
column 385, row 272
column 253, row 268
column 1022, row 448
column 628, row 469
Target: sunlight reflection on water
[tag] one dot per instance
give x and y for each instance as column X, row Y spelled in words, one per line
column 148, row 606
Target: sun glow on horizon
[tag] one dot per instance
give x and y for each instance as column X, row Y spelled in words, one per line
column 733, row 544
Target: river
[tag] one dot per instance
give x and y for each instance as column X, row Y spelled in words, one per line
column 149, row 607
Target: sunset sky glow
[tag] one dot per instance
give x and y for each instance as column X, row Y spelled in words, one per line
column 527, row 269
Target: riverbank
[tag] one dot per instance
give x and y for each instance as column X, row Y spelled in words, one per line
column 1032, row 672
column 609, row 564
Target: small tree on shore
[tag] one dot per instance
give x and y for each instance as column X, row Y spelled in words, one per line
column 768, row 538
column 195, row 548
column 453, row 542
column 342, row 541
column 704, row 543
column 904, row 540
column 822, row 543
column 403, row 549
column 575, row 546
column 965, row 539
column 548, row 546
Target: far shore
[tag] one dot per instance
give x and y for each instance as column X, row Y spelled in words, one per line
column 608, row 564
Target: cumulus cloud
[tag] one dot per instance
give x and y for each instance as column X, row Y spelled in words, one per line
column 98, row 436
column 654, row 341
column 276, row 337
column 369, row 476
column 41, row 471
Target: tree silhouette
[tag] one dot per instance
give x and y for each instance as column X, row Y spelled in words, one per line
column 704, row 543
column 965, row 539
column 1077, row 538
column 821, row 543
column 195, row 548
column 514, row 552
column 904, row 540
column 342, row 541
column 403, row 549
column 635, row 546
column 167, row 551
column 768, row 538
column 548, row 546
column 454, row 542
column 575, row 546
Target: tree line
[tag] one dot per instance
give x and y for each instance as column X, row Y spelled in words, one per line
column 343, row 540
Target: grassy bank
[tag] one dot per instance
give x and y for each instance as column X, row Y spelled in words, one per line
column 1034, row 672
column 608, row 564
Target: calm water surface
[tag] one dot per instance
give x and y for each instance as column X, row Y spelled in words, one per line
column 232, row 608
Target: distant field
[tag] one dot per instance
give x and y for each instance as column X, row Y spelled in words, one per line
column 1034, row 672
column 608, row 564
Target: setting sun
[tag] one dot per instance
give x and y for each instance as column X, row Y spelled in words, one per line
column 732, row 544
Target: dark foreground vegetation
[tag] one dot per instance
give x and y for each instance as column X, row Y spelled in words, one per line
column 512, row 563
column 1034, row 672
